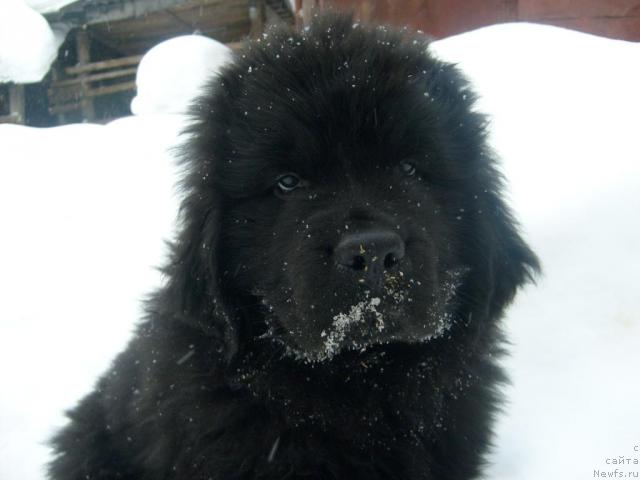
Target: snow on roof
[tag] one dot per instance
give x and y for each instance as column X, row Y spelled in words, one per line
column 173, row 72
column 28, row 46
column 48, row 6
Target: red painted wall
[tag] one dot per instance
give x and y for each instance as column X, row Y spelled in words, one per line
column 442, row 18
column 609, row 18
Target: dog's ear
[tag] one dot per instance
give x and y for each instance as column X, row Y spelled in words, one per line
column 507, row 261
column 192, row 274
column 192, row 291
column 512, row 262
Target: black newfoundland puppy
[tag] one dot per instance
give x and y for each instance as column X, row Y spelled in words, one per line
column 332, row 303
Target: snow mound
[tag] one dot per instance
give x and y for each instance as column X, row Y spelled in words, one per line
column 564, row 109
column 172, row 74
column 560, row 101
column 84, row 211
column 28, row 46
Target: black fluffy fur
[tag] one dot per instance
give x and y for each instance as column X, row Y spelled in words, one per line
column 215, row 384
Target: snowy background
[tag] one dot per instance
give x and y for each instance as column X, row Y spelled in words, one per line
column 84, row 210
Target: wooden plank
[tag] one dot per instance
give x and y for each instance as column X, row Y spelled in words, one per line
column 219, row 6
column 56, row 75
column 212, row 20
column 61, row 101
column 308, row 7
column 256, row 16
column 224, row 20
column 11, row 118
column 118, row 87
column 93, row 78
column 59, row 109
column 95, row 12
column 64, row 94
column 230, row 33
column 17, row 102
column 571, row 9
column 196, row 17
column 83, row 45
column 236, row 45
column 103, row 65
column 297, row 13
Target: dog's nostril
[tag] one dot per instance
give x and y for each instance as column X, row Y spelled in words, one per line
column 359, row 263
column 370, row 253
column 389, row 260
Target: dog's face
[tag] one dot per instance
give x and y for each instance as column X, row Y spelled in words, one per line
column 352, row 190
column 345, row 245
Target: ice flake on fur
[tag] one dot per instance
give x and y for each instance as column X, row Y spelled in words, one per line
column 440, row 315
column 446, row 294
column 342, row 322
column 451, row 283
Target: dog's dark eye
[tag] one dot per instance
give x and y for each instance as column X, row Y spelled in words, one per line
column 408, row 168
column 288, row 183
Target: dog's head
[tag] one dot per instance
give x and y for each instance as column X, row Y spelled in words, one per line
column 339, row 181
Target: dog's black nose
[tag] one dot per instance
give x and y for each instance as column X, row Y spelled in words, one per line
column 370, row 253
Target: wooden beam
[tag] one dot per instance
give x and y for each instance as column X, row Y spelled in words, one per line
column 236, row 45
column 97, row 36
column 304, row 12
column 179, row 20
column 297, row 7
column 64, row 104
column 256, row 15
column 84, row 57
column 57, row 74
column 61, row 109
column 103, row 65
column 17, row 103
column 11, row 118
column 87, row 12
column 94, row 78
column 118, row 87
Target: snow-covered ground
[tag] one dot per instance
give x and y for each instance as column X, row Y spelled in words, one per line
column 565, row 121
column 83, row 213
column 84, row 210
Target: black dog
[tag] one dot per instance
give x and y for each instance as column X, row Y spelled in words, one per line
column 332, row 304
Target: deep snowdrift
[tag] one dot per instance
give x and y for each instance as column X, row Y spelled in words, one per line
column 564, row 109
column 85, row 208
column 83, row 211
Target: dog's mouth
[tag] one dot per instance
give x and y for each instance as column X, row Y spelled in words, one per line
column 355, row 329
column 366, row 325
column 402, row 314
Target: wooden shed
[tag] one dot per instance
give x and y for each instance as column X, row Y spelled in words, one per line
column 93, row 78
